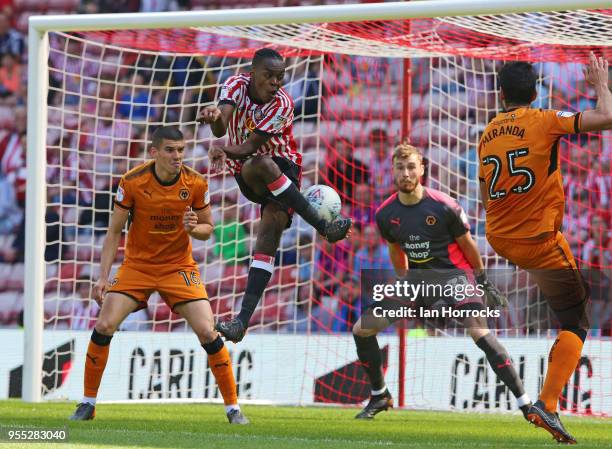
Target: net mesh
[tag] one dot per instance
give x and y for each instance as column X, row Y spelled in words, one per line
column 109, row 90
column 551, row 36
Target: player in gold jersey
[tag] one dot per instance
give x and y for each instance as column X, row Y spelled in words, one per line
column 168, row 203
column 522, row 193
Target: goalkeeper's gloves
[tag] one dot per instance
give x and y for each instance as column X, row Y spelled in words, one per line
column 493, row 296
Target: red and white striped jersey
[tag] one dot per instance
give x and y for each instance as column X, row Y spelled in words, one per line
column 11, row 153
column 13, row 162
column 274, row 119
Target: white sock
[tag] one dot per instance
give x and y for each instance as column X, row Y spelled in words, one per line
column 523, row 400
column 229, row 408
column 89, row 400
column 377, row 392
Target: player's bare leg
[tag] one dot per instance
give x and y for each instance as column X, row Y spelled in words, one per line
column 115, row 308
column 199, row 315
column 263, row 176
column 498, row 359
column 273, row 221
column 370, row 356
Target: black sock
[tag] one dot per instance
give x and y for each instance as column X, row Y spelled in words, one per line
column 214, row 346
column 259, row 276
column 370, row 357
column 287, row 193
column 499, row 359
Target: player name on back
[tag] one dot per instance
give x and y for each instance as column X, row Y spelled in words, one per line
column 507, row 130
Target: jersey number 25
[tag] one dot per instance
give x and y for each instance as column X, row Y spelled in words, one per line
column 513, row 170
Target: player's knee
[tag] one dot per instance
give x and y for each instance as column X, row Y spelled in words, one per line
column 580, row 332
column 575, row 318
column 100, row 339
column 207, row 335
column 358, row 331
column 106, row 326
column 478, row 332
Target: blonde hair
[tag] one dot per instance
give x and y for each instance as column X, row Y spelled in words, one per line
column 404, row 150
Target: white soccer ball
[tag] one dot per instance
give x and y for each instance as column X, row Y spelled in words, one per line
column 325, row 200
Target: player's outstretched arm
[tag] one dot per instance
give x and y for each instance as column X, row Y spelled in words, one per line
column 470, row 251
column 248, row 147
column 484, row 195
column 109, row 251
column 217, row 117
column 199, row 224
column 398, row 259
column 600, row 118
column 469, row 248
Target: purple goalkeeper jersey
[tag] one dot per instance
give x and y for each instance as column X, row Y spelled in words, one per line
column 426, row 231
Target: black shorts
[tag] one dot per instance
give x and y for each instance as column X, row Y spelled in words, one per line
column 290, row 169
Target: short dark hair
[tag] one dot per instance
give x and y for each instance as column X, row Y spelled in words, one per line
column 265, row 53
column 166, row 132
column 517, row 80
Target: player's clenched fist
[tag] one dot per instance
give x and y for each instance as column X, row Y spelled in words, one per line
column 209, row 114
column 99, row 291
column 190, row 220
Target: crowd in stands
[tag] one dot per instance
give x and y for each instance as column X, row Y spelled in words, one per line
column 103, row 105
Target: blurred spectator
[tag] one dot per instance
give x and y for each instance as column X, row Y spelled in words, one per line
column 133, row 104
column 90, row 142
column 158, row 5
column 88, row 7
column 331, row 261
column 108, row 6
column 304, row 259
column 231, row 237
column 15, row 252
column 348, row 309
column 11, row 41
column 6, row 8
column 336, row 74
column 364, row 210
column 164, row 319
column 10, row 75
column 575, row 180
column 380, row 165
column 99, row 214
column 345, row 171
column 597, row 270
column 373, row 256
column 85, row 310
column 54, row 235
column 304, row 89
column 12, row 149
column 369, row 70
column 303, row 307
column 10, row 214
column 597, row 251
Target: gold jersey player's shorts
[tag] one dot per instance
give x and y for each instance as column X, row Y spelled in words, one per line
column 175, row 283
column 551, row 265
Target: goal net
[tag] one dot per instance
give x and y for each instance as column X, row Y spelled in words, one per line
column 359, row 89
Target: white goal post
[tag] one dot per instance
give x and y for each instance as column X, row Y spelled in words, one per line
column 38, row 57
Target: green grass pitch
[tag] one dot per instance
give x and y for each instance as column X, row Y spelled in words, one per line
column 205, row 426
